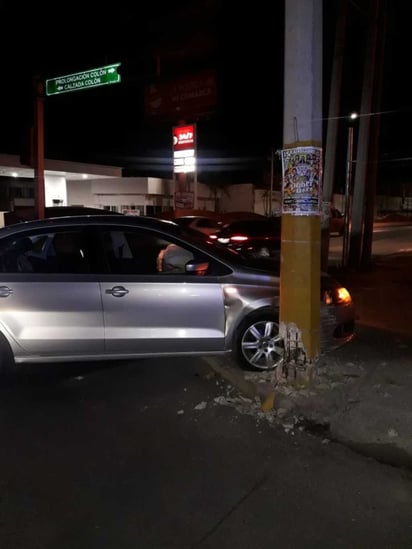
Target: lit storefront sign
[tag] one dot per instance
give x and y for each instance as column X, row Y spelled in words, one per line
column 184, row 163
column 193, row 96
column 184, row 166
column 184, row 149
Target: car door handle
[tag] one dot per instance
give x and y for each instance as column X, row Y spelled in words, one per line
column 117, row 291
column 5, row 291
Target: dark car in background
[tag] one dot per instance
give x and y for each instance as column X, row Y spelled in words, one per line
column 201, row 223
column 336, row 222
column 253, row 238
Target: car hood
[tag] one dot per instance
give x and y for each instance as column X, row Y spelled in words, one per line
column 272, row 266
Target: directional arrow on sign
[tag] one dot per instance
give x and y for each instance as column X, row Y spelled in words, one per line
column 84, row 80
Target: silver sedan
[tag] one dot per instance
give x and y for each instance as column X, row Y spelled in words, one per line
column 108, row 287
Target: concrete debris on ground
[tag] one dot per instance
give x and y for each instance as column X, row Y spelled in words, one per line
column 361, row 393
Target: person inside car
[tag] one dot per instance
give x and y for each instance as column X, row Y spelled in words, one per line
column 173, row 259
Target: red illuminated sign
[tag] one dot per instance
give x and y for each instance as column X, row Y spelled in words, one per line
column 192, row 97
column 184, row 137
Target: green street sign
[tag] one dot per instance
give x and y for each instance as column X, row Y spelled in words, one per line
column 83, row 80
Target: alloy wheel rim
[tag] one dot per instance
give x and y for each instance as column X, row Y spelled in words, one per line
column 262, row 345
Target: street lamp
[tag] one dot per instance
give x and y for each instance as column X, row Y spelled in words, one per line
column 348, row 185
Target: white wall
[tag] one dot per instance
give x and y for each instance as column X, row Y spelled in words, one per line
column 55, row 189
column 383, row 203
column 79, row 193
column 142, row 192
column 388, row 204
column 138, row 191
column 122, row 191
column 120, row 185
column 208, row 197
column 160, row 186
column 262, row 199
column 238, row 198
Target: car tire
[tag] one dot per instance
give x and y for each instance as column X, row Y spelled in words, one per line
column 7, row 365
column 259, row 346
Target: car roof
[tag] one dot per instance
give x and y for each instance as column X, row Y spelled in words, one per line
column 109, row 219
column 59, row 211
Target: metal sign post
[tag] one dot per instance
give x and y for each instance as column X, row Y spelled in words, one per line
column 39, row 146
column 63, row 84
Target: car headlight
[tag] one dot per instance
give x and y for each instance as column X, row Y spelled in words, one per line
column 337, row 296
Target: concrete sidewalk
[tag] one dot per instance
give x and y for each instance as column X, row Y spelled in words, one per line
column 362, row 393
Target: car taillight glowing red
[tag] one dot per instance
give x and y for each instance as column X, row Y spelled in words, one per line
column 239, row 238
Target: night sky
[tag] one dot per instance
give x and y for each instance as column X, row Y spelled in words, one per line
column 245, row 47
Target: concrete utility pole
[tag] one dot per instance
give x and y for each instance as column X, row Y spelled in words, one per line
column 301, row 207
column 332, row 129
column 374, row 139
column 362, row 156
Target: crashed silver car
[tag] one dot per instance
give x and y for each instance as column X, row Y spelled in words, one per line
column 117, row 287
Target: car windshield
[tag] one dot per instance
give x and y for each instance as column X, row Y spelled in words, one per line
column 267, row 227
column 202, row 222
column 183, row 221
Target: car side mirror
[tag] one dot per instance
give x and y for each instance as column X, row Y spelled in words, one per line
column 197, row 267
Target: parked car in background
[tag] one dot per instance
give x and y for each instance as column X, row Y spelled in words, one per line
column 252, row 238
column 203, row 224
column 97, row 288
column 336, row 222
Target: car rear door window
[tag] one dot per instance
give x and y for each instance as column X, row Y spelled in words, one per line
column 62, row 252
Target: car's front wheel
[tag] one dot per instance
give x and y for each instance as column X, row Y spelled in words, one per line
column 258, row 344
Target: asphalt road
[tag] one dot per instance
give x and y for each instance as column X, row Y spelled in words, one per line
column 387, row 239
column 141, row 455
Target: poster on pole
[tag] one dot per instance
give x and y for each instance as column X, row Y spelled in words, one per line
column 302, row 181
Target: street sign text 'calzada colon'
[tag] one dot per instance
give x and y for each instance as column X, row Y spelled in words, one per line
column 83, row 80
